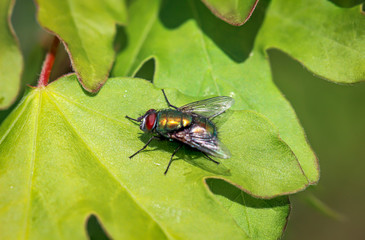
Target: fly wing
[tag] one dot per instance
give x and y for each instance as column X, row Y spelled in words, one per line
column 212, row 147
column 210, row 107
column 203, row 141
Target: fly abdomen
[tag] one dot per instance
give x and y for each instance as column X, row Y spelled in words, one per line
column 171, row 120
column 204, row 127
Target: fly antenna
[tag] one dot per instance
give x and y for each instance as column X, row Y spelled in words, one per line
column 168, row 103
column 137, row 120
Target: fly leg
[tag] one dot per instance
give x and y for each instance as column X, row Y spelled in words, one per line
column 168, row 166
column 168, row 103
column 149, row 141
column 210, row 158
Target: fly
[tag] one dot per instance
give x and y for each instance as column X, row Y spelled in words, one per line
column 190, row 124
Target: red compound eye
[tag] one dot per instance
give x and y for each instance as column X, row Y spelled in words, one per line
column 150, row 121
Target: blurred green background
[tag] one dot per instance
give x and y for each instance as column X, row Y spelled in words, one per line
column 332, row 115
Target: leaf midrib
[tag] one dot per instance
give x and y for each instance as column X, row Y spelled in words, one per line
column 84, row 107
column 32, row 164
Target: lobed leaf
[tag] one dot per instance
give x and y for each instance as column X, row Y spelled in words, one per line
column 212, row 58
column 235, row 12
column 11, row 61
column 327, row 39
column 253, row 218
column 64, row 156
column 87, row 29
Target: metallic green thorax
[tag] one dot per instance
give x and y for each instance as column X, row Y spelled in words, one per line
column 169, row 120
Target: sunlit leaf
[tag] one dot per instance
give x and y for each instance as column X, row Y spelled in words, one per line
column 11, row 62
column 327, row 39
column 87, row 29
column 235, row 12
column 200, row 55
column 64, row 156
column 250, row 213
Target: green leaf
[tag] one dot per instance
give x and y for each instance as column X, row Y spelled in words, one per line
column 254, row 219
column 235, row 12
column 87, row 29
column 64, row 155
column 327, row 39
column 11, row 61
column 200, row 55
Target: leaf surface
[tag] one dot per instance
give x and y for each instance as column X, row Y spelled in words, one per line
column 64, row 155
column 200, row 55
column 11, row 61
column 235, row 12
column 87, row 29
column 327, row 39
column 253, row 218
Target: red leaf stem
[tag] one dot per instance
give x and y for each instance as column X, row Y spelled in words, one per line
column 48, row 64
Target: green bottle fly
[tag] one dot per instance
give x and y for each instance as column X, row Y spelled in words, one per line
column 190, row 125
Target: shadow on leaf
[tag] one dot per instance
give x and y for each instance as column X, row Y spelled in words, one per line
column 236, row 42
column 188, row 154
column 347, row 4
column 232, row 193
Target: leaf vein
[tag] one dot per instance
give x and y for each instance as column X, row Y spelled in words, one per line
column 32, row 164
column 86, row 108
column 110, row 172
column 204, row 46
column 16, row 119
column 245, row 212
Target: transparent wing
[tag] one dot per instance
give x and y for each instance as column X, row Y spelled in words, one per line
column 203, row 141
column 212, row 147
column 210, row 107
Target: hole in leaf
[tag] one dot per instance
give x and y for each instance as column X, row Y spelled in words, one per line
column 94, row 229
column 147, row 70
